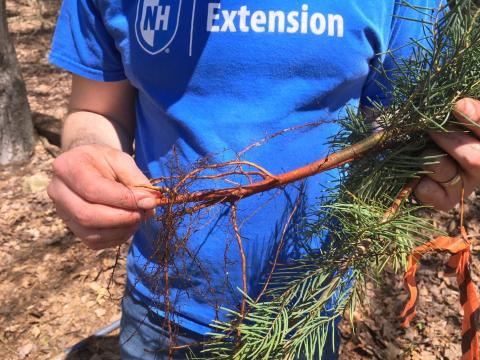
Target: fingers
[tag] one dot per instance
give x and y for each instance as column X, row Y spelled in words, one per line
column 126, row 170
column 432, row 193
column 467, row 112
column 102, row 177
column 98, row 239
column 464, row 149
column 98, row 226
column 443, row 168
column 89, row 215
column 434, row 189
column 92, row 193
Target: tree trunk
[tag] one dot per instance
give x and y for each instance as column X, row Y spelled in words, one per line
column 16, row 127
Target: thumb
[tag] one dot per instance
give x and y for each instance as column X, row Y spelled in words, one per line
column 128, row 173
column 467, row 112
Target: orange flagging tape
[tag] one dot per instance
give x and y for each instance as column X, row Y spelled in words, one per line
column 459, row 266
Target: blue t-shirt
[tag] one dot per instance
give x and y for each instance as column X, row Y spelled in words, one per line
column 214, row 77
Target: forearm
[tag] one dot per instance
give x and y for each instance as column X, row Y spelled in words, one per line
column 86, row 128
column 100, row 113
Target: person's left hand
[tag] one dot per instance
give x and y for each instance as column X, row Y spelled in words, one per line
column 442, row 188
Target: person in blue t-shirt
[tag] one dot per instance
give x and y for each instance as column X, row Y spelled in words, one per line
column 209, row 78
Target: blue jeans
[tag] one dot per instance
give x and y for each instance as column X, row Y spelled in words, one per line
column 143, row 337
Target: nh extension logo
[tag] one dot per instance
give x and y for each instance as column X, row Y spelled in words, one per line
column 157, row 24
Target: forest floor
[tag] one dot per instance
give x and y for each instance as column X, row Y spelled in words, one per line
column 55, row 292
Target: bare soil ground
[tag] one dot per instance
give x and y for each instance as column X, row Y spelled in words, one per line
column 435, row 331
column 55, row 292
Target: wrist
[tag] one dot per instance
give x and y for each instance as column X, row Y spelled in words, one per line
column 87, row 128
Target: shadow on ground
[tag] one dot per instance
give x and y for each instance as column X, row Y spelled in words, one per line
column 96, row 348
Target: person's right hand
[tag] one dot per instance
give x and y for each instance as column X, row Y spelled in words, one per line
column 92, row 188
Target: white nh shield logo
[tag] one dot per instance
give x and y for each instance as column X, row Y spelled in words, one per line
column 157, row 24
